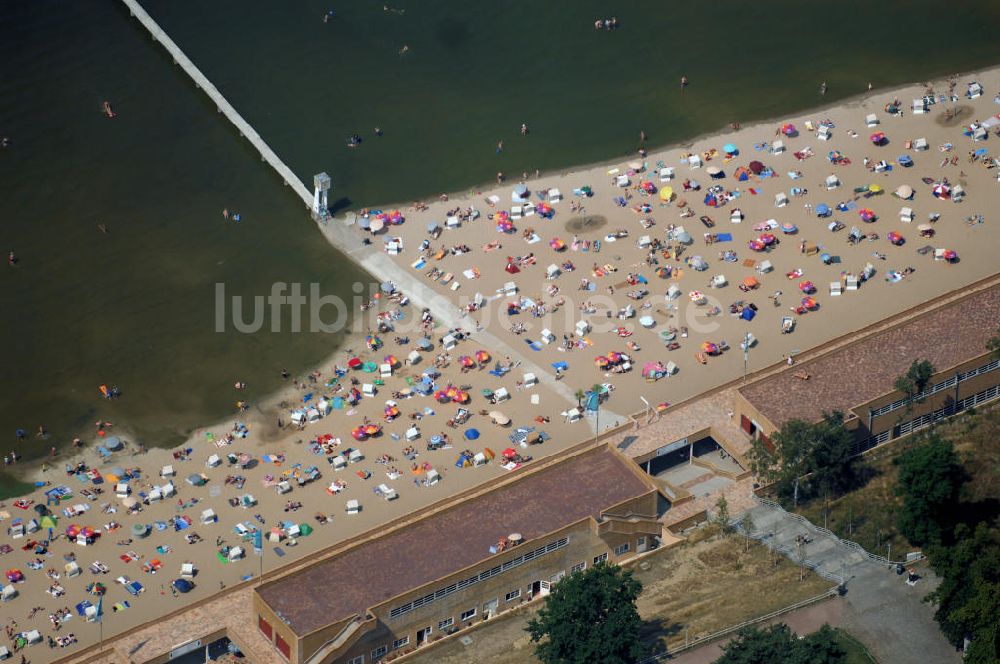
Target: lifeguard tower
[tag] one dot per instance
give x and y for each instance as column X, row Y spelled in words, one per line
column 321, row 188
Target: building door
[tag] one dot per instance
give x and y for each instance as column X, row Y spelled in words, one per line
column 747, row 425
column 640, row 545
column 490, row 608
column 544, row 587
column 422, row 635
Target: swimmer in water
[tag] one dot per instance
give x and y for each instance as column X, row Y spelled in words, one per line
column 684, row 82
column 403, row 50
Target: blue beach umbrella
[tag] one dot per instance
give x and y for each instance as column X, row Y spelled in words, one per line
column 471, row 434
column 729, row 148
column 822, row 210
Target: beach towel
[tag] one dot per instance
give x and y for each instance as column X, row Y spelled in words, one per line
column 752, row 191
column 534, row 345
column 724, row 237
column 562, row 366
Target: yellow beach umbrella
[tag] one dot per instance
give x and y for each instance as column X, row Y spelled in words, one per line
column 666, row 193
column 875, row 189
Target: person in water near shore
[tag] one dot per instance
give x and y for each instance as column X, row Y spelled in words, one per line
column 12, row 259
column 684, row 82
column 822, row 88
column 524, row 129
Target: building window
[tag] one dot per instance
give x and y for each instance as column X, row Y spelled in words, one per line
column 360, row 659
column 579, row 567
column 399, row 643
column 446, row 623
column 557, row 577
column 467, row 615
column 601, row 558
column 264, row 627
column 379, row 652
column 512, row 595
column 621, row 550
column 283, row 646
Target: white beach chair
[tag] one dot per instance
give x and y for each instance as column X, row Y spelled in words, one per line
column 764, row 267
column 644, row 241
column 777, row 147
column 208, row 516
column 851, row 283
column 718, row 281
column 453, row 222
column 530, row 380
column 736, row 216
column 433, row 477
column 353, row 506
column 529, row 209
column 671, row 368
column 957, row 193
column 547, row 336
column 573, row 415
column 387, row 492
column 667, row 174
column 555, row 196
column 412, row 434
column 673, row 292
column 509, row 288
column 694, row 161
column 920, row 144
column 582, row 327
column 919, row 106
column 824, row 133
column 516, row 212
column 832, row 182
column 834, row 288
column 552, row 271
column 906, row 215
column 368, row 389
column 355, row 456
column 167, row 471
column 339, row 462
column 622, row 181
column 780, row 199
column 501, row 395
column 187, row 570
column 871, row 120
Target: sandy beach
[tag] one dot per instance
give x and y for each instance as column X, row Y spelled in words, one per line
column 621, row 310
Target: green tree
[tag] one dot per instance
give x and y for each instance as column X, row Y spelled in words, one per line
column 915, row 379
column 777, row 644
column 993, row 345
column 722, row 516
column 967, row 599
column 930, row 483
column 817, row 458
column 590, row 617
column 580, row 394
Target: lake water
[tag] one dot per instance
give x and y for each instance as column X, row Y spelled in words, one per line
column 134, row 307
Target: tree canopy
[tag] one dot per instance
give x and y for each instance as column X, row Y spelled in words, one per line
column 930, row 482
column 590, row 617
column 777, row 644
column 915, row 380
column 821, row 451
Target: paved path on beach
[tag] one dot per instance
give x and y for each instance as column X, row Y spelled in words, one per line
column 880, row 609
column 340, row 235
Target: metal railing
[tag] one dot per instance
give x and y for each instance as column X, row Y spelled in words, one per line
column 670, row 653
column 874, row 557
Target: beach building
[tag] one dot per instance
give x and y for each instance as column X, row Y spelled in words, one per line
column 858, row 379
column 464, row 562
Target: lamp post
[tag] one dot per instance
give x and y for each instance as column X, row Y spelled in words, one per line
column 746, row 355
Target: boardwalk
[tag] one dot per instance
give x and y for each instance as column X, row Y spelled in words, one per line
column 338, row 233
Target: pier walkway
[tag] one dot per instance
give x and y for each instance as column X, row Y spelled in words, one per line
column 340, row 235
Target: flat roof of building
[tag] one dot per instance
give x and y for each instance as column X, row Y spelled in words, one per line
column 947, row 336
column 532, row 503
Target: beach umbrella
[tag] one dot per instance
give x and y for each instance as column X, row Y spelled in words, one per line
column 697, row 297
column 941, row 190
column 432, row 227
column 756, row 167
column 666, row 193
column 113, row 443
column 557, row 244
column 894, row 238
column 729, row 148
column 866, row 214
column 949, row 255
column 49, row 521
column 788, row 129
column 391, row 360
column 369, row 367
column 647, row 321
column 875, row 189
column 354, row 363
column 809, row 303
column 96, row 588
column 424, row 343
column 662, row 272
column 926, row 229
column 713, row 170
column 471, row 434
column 807, row 287
column 904, row 191
column 466, row 361
column 482, row 356
column 376, row 225
column 499, row 418
column 601, row 361
column 521, row 191
column 183, row 585
column 709, row 347
column 195, row 479
column 878, row 138
column 788, row 228
column 822, row 210
column 364, row 223
column 636, row 165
